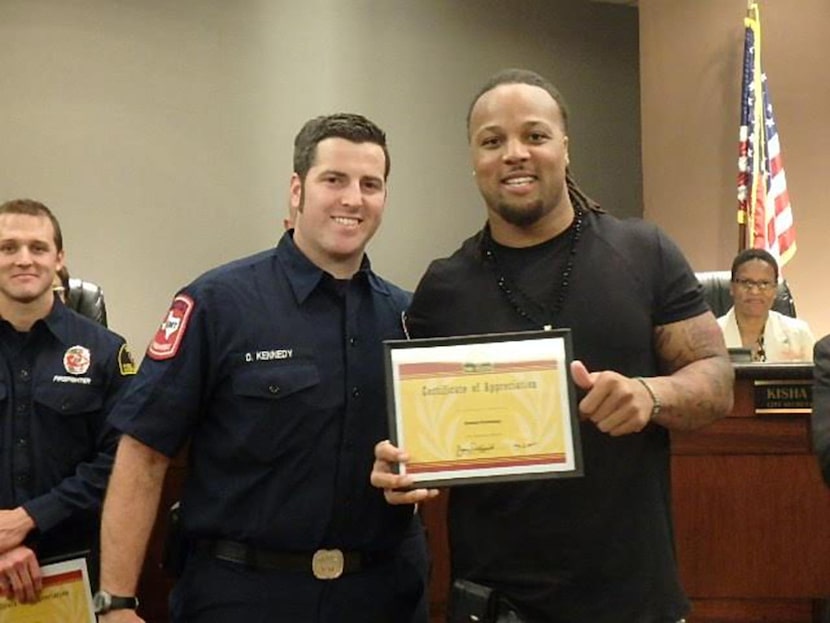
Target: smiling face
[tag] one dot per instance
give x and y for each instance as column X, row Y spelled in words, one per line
column 520, row 154
column 339, row 204
column 29, row 260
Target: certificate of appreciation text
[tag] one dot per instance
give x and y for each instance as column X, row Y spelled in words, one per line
column 484, row 408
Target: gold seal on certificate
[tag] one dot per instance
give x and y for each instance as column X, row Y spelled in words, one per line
column 484, row 408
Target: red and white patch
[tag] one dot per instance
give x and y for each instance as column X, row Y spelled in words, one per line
column 170, row 334
column 76, row 359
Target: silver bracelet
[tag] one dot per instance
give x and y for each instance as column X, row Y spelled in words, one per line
column 656, row 404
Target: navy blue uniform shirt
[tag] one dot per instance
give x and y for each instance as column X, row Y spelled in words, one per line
column 273, row 370
column 58, row 383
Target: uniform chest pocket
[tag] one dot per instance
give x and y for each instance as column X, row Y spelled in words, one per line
column 275, row 382
column 70, row 398
column 71, row 413
column 275, row 407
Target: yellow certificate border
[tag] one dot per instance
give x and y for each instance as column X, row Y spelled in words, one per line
column 65, row 597
column 484, row 408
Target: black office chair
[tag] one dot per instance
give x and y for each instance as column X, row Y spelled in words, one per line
column 716, row 292
column 87, row 299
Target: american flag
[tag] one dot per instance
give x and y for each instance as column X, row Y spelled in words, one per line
column 763, row 202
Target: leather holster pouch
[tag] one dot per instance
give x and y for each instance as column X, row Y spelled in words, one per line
column 472, row 603
column 175, row 544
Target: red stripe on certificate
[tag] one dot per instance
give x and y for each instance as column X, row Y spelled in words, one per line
column 439, row 466
column 63, row 578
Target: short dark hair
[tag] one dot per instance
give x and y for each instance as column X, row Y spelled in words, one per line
column 520, row 76
column 31, row 207
column 754, row 254
column 352, row 127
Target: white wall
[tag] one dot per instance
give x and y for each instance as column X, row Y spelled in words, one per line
column 160, row 132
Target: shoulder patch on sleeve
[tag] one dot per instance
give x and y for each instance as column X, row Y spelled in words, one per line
column 126, row 363
column 169, row 336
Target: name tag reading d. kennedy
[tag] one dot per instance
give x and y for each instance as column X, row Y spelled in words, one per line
column 484, row 407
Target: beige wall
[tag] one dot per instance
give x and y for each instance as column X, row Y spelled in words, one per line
column 691, row 52
column 160, row 132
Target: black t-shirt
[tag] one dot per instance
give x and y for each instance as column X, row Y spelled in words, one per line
column 596, row 548
column 520, row 269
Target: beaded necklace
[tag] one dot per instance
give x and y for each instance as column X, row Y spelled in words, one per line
column 538, row 312
column 759, row 353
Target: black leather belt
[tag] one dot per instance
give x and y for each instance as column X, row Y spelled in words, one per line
column 324, row 564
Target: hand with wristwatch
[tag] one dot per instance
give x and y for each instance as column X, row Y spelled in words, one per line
column 104, row 602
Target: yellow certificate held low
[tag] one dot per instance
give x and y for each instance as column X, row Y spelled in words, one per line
column 65, row 598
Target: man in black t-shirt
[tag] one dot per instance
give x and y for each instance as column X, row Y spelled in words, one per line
column 649, row 358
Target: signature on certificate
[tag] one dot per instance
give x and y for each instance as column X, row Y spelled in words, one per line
column 469, row 449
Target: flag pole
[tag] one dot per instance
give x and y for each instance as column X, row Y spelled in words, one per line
column 759, row 184
column 745, row 215
column 765, row 218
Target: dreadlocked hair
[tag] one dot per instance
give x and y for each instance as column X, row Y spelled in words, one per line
column 531, row 78
column 582, row 200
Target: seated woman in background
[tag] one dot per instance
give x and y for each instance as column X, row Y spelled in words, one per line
column 752, row 324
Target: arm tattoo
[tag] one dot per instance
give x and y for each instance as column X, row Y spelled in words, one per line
column 693, row 355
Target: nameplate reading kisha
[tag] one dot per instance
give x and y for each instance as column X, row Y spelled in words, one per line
column 484, row 408
column 783, row 396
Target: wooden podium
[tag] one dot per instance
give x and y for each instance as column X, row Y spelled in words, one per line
column 751, row 511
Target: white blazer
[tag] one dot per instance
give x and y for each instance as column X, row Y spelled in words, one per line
column 785, row 338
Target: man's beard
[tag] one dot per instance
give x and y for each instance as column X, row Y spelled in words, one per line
column 522, row 216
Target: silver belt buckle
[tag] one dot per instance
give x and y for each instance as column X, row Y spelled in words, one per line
column 327, row 564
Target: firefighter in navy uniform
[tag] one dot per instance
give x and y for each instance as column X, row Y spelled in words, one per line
column 60, row 376
column 272, row 368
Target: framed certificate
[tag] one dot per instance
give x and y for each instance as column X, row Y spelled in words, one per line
column 484, row 408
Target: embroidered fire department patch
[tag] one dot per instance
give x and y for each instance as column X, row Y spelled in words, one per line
column 76, row 359
column 126, row 364
column 169, row 336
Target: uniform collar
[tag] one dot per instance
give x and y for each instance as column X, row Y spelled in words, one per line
column 55, row 321
column 304, row 276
